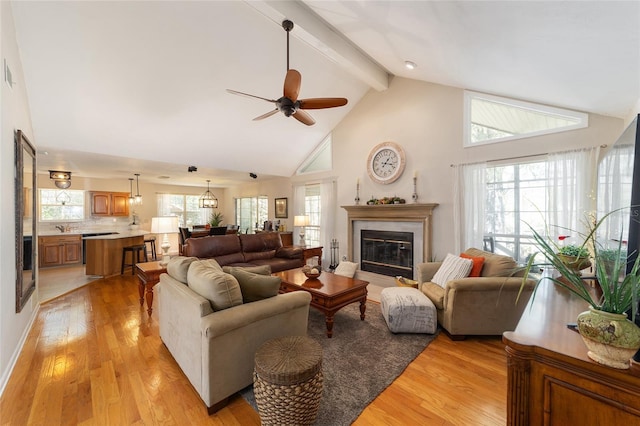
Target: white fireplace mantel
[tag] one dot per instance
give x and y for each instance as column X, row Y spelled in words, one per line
column 393, row 213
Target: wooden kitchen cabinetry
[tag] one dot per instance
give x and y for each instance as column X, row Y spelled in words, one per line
column 60, row 250
column 109, row 203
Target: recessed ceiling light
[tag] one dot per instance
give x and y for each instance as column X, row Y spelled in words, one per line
column 410, row 65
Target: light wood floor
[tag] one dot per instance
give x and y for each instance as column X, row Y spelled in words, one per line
column 94, row 357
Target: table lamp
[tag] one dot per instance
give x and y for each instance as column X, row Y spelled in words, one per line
column 164, row 225
column 301, row 221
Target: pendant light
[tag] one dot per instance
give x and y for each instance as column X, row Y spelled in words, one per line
column 138, row 198
column 131, row 198
column 61, row 179
column 208, row 200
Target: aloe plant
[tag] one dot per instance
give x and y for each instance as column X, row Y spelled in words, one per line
column 618, row 295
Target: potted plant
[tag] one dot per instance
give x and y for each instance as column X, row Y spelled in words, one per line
column 608, row 257
column 610, row 337
column 372, row 201
column 575, row 257
column 216, row 219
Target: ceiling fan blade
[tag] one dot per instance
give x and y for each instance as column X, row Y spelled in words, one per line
column 269, row 114
column 292, row 85
column 235, row 92
column 319, row 103
column 304, row 117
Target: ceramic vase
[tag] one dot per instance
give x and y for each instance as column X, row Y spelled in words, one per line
column 610, row 338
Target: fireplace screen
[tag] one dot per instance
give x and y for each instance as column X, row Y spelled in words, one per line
column 387, row 252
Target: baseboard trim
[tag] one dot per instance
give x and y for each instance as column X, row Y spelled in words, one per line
column 16, row 353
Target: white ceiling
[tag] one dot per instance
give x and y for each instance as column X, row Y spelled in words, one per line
column 117, row 88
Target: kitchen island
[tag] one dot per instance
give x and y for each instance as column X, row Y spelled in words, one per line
column 104, row 252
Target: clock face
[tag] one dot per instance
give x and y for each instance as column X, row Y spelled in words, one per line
column 386, row 162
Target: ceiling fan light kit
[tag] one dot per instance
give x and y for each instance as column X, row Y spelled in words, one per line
column 289, row 104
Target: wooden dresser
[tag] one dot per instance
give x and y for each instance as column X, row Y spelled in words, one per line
column 551, row 381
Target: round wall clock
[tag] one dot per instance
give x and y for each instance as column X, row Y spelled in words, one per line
column 386, row 162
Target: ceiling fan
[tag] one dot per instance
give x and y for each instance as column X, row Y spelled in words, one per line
column 289, row 104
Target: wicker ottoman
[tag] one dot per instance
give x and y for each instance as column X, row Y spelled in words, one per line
column 408, row 310
column 287, row 381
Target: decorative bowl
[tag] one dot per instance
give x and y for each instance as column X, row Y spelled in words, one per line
column 406, row 282
column 309, row 274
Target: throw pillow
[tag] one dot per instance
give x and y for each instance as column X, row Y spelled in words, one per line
column 346, row 269
column 212, row 263
column 452, row 268
column 255, row 286
column 222, row 290
column 478, row 263
column 178, row 266
column 262, row 270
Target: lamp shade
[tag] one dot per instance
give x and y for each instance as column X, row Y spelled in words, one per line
column 300, row 220
column 164, row 225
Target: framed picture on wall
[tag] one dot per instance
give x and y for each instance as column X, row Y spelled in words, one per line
column 282, row 211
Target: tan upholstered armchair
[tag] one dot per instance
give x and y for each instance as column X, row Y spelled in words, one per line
column 484, row 305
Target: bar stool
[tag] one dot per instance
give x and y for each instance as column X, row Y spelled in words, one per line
column 151, row 240
column 137, row 250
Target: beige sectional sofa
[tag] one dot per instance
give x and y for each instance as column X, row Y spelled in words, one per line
column 215, row 348
column 484, row 305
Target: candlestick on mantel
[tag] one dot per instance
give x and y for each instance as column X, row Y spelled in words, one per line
column 357, row 199
column 415, row 193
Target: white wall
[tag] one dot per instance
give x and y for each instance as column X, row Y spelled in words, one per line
column 15, row 115
column 633, row 114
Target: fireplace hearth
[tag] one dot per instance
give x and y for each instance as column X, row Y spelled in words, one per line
column 387, row 252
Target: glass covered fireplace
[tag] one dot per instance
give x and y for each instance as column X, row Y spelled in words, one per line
column 387, row 252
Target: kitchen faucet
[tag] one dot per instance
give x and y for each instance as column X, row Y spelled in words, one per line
column 62, row 228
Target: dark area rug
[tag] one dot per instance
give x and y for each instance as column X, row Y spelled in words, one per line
column 359, row 361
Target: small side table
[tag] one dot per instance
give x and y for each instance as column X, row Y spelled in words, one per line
column 309, row 252
column 148, row 275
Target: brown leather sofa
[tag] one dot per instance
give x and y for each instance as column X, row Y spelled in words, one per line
column 246, row 250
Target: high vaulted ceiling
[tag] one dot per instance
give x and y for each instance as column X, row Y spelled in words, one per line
column 117, row 88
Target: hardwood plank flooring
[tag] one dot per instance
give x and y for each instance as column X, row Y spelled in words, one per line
column 93, row 357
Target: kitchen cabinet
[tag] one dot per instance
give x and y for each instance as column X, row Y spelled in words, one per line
column 60, row 250
column 109, row 203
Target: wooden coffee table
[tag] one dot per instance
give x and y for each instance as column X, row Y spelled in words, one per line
column 329, row 292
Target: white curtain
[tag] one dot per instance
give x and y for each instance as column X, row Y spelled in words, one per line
column 615, row 176
column 571, row 190
column 469, row 206
column 298, row 199
column 328, row 204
